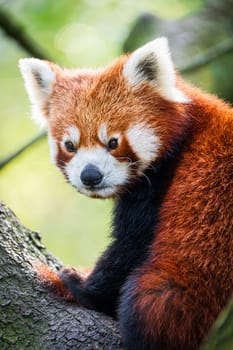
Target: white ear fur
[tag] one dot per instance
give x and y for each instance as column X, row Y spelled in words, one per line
column 152, row 63
column 39, row 79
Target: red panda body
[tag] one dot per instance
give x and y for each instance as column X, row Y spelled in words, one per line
column 178, row 292
column 164, row 149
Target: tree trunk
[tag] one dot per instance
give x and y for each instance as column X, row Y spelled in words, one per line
column 30, row 316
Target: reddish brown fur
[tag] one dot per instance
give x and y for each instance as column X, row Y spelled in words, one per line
column 193, row 247
column 82, row 101
column 51, row 281
column 188, row 277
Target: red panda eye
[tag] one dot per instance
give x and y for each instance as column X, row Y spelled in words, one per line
column 70, row 147
column 112, row 144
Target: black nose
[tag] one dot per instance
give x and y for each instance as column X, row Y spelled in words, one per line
column 91, row 176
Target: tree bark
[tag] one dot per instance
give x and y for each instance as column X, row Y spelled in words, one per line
column 30, row 316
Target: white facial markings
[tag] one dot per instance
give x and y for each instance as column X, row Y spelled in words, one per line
column 53, row 148
column 144, row 142
column 103, row 192
column 114, row 173
column 102, row 134
column 72, row 133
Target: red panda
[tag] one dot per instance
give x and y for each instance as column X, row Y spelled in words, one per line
column 163, row 149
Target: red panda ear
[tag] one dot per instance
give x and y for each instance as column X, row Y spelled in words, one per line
column 152, row 63
column 39, row 78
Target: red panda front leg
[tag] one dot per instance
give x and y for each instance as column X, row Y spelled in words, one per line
column 155, row 313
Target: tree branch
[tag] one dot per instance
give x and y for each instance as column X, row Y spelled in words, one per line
column 17, row 32
column 212, row 54
column 15, row 154
column 47, row 322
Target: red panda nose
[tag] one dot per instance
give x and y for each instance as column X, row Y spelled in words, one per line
column 91, row 176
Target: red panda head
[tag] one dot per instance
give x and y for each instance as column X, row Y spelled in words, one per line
column 106, row 126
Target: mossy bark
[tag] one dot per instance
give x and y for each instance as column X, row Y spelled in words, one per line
column 32, row 318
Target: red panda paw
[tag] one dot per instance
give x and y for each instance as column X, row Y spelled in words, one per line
column 76, row 282
column 67, row 284
column 73, row 279
column 70, row 276
column 53, row 282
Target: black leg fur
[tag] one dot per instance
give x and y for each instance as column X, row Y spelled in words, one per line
column 135, row 218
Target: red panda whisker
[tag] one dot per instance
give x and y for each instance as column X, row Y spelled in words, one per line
column 151, row 167
column 147, row 178
column 134, row 163
column 126, row 158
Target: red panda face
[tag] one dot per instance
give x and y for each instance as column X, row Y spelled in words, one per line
column 99, row 143
column 107, row 165
column 105, row 127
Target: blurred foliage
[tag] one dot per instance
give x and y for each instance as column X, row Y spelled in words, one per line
column 221, row 336
column 75, row 33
